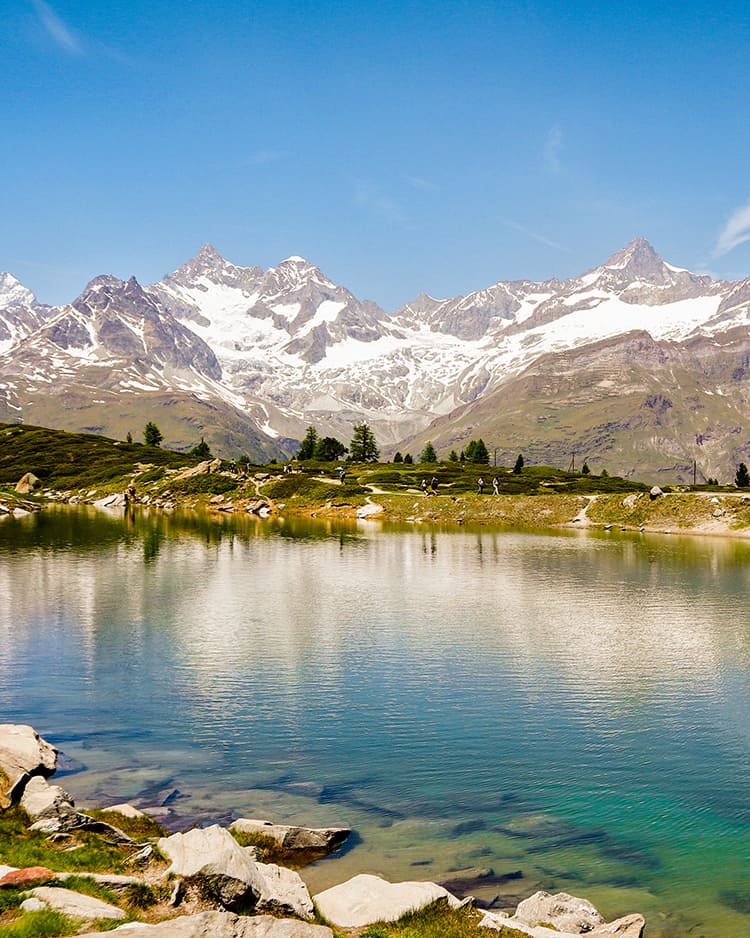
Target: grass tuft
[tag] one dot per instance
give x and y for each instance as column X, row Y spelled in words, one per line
column 43, row 924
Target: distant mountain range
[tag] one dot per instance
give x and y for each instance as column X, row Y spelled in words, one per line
column 637, row 366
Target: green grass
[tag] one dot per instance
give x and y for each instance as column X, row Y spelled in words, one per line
column 438, row 921
column 312, row 492
column 76, row 460
column 43, row 924
column 22, row 847
column 210, row 484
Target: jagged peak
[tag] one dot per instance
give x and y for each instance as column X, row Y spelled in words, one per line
column 638, row 254
column 13, row 291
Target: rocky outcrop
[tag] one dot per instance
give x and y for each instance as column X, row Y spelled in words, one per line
column 74, row 904
column 231, row 874
column 291, row 837
column 222, row 925
column 365, row 899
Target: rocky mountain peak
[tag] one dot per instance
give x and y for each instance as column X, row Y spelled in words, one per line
column 13, row 292
column 638, row 260
column 296, row 271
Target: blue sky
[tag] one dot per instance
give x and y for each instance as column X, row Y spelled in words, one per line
column 401, row 146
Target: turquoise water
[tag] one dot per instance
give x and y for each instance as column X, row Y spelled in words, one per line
column 567, row 710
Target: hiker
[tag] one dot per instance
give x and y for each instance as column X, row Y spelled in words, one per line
column 434, row 485
column 342, row 473
column 130, row 491
column 496, row 485
column 480, row 484
column 424, row 487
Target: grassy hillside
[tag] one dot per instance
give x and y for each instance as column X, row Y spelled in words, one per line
column 76, row 460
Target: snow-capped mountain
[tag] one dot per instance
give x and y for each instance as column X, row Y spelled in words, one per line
column 267, row 352
column 20, row 314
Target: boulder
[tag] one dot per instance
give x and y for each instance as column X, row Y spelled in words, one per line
column 27, row 483
column 49, row 806
column 284, row 891
column 221, row 925
column 32, row 905
column 655, row 493
column 24, row 753
column 365, row 899
column 26, row 876
column 212, row 854
column 565, row 912
column 75, row 904
column 630, row 926
column 295, row 838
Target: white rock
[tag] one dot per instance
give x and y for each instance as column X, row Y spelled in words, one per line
column 23, row 752
column 213, row 853
column 45, row 802
column 33, row 905
column 126, row 810
column 365, row 899
column 563, row 911
column 223, row 925
column 292, row 837
column 75, row 904
column 284, row 891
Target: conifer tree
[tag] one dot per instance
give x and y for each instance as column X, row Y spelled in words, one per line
column 363, row 447
column 307, row 446
column 428, row 454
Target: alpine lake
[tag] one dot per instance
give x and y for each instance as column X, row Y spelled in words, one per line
column 564, row 710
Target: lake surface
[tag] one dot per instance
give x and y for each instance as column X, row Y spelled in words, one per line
column 568, row 710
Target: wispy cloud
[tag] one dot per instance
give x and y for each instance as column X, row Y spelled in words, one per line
column 735, row 232
column 369, row 197
column 552, row 150
column 535, row 235
column 61, row 34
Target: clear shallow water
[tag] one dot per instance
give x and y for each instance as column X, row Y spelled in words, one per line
column 571, row 707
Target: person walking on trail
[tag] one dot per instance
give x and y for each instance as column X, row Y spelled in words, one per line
column 480, row 484
column 496, row 485
column 424, row 486
column 342, row 475
column 434, row 485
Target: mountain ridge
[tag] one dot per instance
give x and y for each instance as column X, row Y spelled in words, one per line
column 284, row 347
